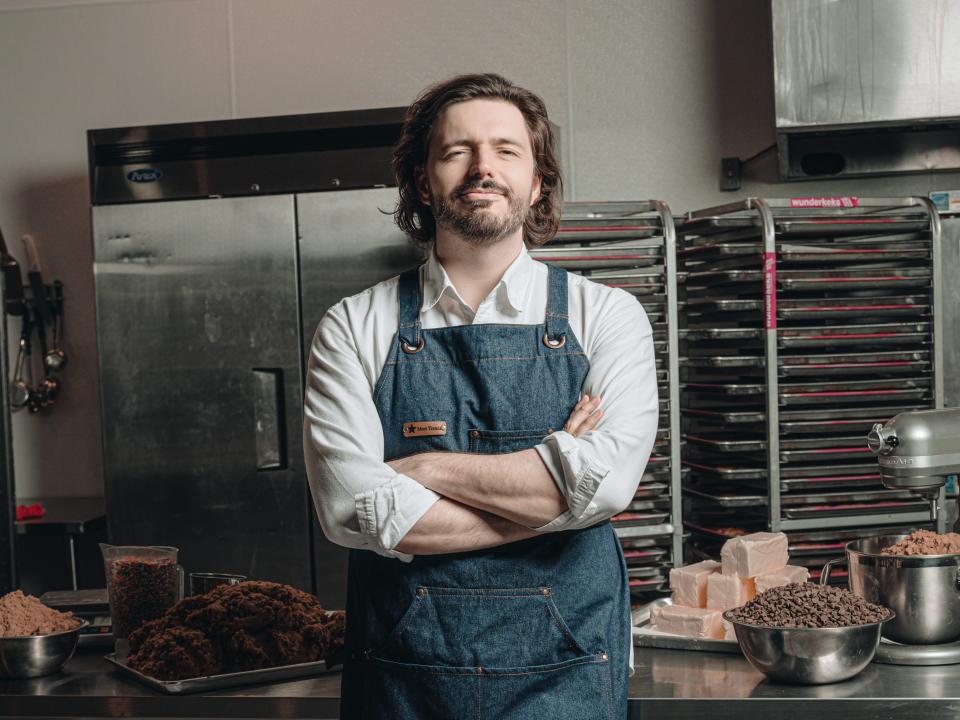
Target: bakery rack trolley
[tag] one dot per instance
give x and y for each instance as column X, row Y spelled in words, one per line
column 632, row 246
column 805, row 321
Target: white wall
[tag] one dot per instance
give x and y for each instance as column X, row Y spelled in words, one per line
column 649, row 95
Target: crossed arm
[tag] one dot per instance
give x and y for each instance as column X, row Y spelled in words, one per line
column 488, row 500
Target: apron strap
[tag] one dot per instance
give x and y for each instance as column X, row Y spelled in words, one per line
column 556, row 316
column 409, row 291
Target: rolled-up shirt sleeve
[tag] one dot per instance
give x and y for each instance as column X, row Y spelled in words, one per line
column 598, row 473
column 361, row 501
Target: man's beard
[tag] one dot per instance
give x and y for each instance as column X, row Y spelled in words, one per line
column 475, row 224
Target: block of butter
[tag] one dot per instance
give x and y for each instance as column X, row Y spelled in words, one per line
column 729, row 633
column 728, row 591
column 784, row 576
column 687, row 621
column 689, row 583
column 754, row 554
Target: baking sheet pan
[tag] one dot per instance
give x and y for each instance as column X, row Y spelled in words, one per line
column 651, row 490
column 643, row 636
column 831, row 397
column 635, row 531
column 835, row 413
column 606, row 228
column 595, row 257
column 644, row 555
column 852, row 306
column 864, row 481
column 627, row 519
column 901, row 506
column 227, row 680
column 814, row 388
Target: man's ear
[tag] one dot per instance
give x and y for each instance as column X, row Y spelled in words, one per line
column 535, row 192
column 423, row 185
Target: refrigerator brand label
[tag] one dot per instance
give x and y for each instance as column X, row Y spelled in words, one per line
column 144, row 175
column 844, row 201
column 424, row 429
column 770, row 290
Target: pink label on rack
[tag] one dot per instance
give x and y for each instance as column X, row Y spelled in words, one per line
column 842, row 201
column 770, row 290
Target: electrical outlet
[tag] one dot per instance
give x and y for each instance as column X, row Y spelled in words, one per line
column 730, row 173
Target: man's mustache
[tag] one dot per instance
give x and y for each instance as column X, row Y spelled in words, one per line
column 484, row 185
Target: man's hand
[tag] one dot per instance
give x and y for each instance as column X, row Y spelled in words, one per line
column 585, row 416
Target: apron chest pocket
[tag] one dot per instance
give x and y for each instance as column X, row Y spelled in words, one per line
column 493, row 442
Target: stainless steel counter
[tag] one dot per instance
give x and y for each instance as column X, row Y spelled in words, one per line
column 667, row 684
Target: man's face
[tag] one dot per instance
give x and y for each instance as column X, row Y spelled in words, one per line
column 479, row 179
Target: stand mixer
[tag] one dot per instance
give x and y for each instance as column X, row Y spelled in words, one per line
column 917, row 450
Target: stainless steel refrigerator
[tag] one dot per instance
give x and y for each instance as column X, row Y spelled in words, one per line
column 205, row 313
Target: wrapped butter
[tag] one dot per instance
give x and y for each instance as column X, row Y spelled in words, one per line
column 750, row 555
column 729, row 591
column 687, row 621
column 689, row 583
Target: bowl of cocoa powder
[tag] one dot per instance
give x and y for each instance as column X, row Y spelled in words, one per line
column 916, row 576
column 34, row 640
column 807, row 634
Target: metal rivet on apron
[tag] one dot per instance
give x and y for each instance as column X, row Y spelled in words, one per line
column 479, row 671
column 474, row 433
column 545, row 591
column 554, row 344
column 421, row 592
column 411, row 349
column 603, row 655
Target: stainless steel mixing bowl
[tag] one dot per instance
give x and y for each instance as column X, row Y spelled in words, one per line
column 808, row 656
column 36, row 655
column 924, row 590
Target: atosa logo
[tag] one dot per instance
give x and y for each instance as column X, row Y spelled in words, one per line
column 144, row 175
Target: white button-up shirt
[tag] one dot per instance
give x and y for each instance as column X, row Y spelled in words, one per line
column 363, row 503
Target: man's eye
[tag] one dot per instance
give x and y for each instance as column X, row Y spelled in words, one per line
column 509, row 152
column 452, row 154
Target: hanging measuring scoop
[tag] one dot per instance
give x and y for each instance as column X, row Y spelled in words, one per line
column 20, row 392
column 56, row 359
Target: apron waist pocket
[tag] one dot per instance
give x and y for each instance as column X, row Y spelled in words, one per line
column 508, row 628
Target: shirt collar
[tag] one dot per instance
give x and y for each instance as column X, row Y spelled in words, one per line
column 514, row 284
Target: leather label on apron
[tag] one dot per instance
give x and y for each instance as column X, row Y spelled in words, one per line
column 424, row 429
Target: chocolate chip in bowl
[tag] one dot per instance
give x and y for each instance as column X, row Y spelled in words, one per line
column 808, row 634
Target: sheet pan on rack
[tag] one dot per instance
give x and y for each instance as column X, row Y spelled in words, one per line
column 594, row 257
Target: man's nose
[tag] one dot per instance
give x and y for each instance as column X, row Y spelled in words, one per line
column 482, row 165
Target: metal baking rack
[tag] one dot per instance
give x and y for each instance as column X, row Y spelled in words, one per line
column 803, row 326
column 632, row 246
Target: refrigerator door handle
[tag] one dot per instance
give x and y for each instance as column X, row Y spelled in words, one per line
column 270, row 428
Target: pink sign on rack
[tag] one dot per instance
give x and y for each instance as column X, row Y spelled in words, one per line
column 770, row 290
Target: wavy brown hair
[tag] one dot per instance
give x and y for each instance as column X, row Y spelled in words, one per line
column 413, row 216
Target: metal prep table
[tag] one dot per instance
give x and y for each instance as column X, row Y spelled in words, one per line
column 667, row 684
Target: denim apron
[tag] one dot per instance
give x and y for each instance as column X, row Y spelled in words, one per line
column 536, row 629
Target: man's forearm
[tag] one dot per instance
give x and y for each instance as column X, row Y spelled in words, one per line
column 515, row 486
column 449, row 527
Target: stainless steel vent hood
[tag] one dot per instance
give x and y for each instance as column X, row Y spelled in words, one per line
column 866, row 87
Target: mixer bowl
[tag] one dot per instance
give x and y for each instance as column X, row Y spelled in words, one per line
column 923, row 590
